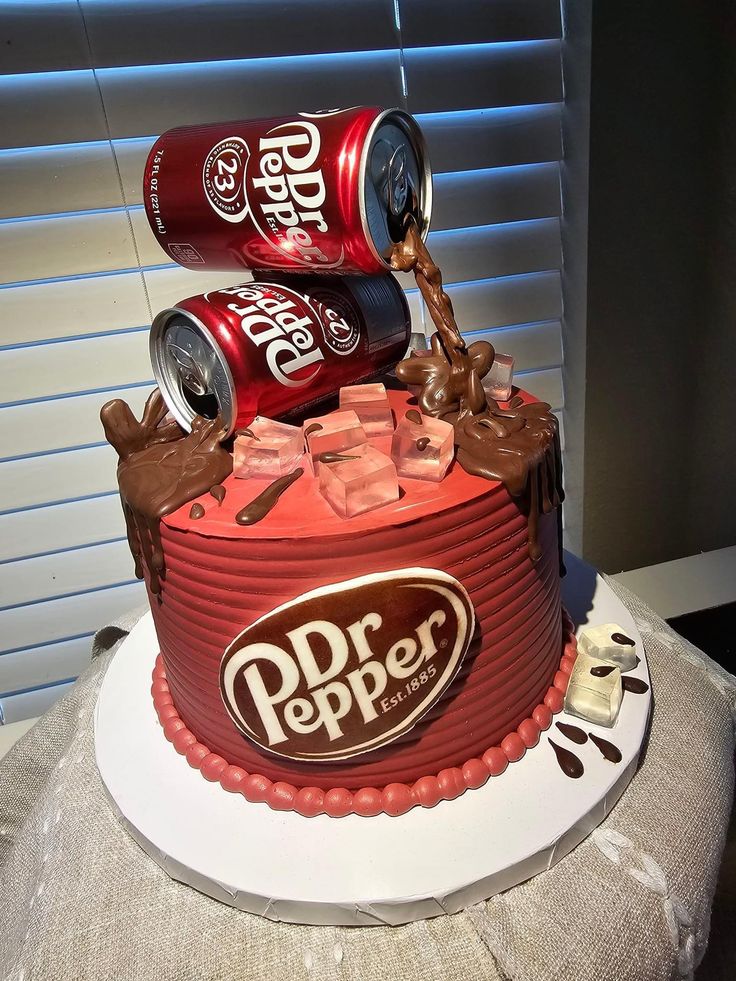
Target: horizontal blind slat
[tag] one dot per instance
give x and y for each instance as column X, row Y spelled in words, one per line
column 177, row 95
column 484, row 197
column 57, row 619
column 532, row 346
column 43, row 427
column 56, row 478
column 500, row 302
column 92, row 305
column 481, row 76
column 60, row 526
column 426, row 22
column 546, row 385
column 44, row 665
column 492, row 137
column 64, row 573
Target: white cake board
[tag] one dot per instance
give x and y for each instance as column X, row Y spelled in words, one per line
column 359, row 871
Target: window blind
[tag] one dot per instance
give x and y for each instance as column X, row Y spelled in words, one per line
column 87, row 87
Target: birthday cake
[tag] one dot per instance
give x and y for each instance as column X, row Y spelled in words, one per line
column 358, row 604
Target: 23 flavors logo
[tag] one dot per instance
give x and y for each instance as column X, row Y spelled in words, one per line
column 223, row 176
column 350, row 667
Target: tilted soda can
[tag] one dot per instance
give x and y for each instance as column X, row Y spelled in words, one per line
column 276, row 346
column 312, row 192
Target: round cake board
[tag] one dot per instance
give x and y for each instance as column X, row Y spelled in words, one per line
column 356, row 871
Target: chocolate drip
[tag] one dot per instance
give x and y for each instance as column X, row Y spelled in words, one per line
column 570, row 764
column 196, row 511
column 248, row 432
column 159, row 470
column 422, row 443
column 218, row 492
column 623, row 639
column 413, row 416
column 314, row 428
column 575, row 733
column 602, row 670
column 608, row 750
column 261, row 505
column 635, row 685
column 519, row 445
column 330, row 457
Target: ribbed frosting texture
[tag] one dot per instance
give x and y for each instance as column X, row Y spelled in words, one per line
column 216, row 585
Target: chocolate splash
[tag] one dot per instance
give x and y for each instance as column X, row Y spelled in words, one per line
column 196, row 511
column 218, row 492
column 314, row 428
column 422, row 443
column 159, row 470
column 519, row 445
column 248, row 432
column 608, row 750
column 260, row 506
column 570, row 764
column 574, row 733
column 602, row 670
column 413, row 416
column 635, row 685
column 623, row 639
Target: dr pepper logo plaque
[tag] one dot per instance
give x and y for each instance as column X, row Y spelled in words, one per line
column 347, row 668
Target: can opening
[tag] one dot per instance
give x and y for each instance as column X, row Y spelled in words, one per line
column 201, row 405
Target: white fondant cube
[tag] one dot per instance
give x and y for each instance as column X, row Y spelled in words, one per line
column 594, row 697
column 609, row 642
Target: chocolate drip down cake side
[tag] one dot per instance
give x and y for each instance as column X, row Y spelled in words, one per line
column 351, row 546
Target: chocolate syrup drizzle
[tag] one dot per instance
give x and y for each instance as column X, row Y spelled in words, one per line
column 623, row 639
column 519, row 445
column 422, row 443
column 218, row 492
column 602, row 670
column 261, row 505
column 635, row 685
column 574, row 733
column 413, row 416
column 196, row 511
column 159, row 470
column 570, row 764
column 608, row 750
column 330, row 457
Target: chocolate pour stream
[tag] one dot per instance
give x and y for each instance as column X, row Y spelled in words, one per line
column 519, row 445
column 159, row 470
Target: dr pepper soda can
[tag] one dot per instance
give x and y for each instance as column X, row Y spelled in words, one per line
column 327, row 191
column 275, row 346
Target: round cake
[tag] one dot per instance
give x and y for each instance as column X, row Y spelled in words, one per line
column 222, row 577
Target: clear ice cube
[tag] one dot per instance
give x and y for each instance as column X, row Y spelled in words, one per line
column 611, row 643
column 370, row 403
column 366, row 480
column 267, row 449
column 423, row 450
column 499, row 379
column 594, row 691
column 334, row 432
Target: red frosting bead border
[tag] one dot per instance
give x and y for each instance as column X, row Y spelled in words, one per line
column 393, row 799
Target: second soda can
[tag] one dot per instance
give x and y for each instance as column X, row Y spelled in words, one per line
column 276, row 346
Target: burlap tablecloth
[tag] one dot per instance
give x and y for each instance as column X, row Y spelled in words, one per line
column 80, row 900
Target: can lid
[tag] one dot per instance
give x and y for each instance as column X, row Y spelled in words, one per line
column 396, row 181
column 190, row 368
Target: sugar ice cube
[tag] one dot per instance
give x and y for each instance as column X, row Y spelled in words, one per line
column 497, row 382
column 370, row 403
column 267, row 449
column 333, row 432
column 610, row 643
column 365, row 479
column 594, row 691
column 422, row 447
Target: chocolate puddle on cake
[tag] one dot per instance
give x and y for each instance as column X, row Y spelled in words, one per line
column 518, row 446
column 159, row 470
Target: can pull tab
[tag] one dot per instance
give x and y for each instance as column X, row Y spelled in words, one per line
column 192, row 374
column 401, row 194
